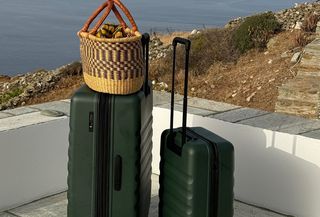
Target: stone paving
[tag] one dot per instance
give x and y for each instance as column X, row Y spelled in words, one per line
column 56, row 206
column 240, row 115
column 217, row 110
column 300, row 95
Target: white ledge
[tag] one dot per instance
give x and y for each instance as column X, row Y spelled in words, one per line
column 16, row 122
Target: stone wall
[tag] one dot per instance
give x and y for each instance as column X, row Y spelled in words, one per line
column 300, row 95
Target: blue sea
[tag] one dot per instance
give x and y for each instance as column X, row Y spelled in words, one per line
column 42, row 33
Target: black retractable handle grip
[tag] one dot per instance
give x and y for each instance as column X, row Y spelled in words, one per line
column 145, row 43
column 187, row 44
column 183, row 41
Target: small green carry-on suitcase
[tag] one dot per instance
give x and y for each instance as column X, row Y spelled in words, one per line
column 196, row 168
column 110, row 152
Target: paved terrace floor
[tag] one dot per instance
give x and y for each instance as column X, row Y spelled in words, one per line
column 56, row 206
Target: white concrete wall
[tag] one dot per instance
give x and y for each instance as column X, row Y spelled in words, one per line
column 33, row 159
column 274, row 170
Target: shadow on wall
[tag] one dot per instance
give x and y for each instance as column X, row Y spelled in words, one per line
column 274, row 170
column 33, row 161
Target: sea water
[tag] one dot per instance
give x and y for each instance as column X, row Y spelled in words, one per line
column 42, row 33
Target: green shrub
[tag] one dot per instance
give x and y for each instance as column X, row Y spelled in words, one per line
column 256, row 31
column 208, row 47
column 9, row 95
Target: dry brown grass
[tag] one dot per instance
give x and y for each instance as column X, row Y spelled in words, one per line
column 4, row 78
column 310, row 23
column 167, row 38
column 301, row 39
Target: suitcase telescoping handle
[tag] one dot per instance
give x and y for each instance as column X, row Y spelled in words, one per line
column 145, row 45
column 187, row 44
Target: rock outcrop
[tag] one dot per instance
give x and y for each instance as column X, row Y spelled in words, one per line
column 289, row 18
column 17, row 90
column 158, row 49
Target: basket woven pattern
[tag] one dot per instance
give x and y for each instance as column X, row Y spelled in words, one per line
column 115, row 61
column 113, row 66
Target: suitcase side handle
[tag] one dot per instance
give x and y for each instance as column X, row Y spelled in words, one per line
column 118, row 173
column 187, row 44
column 145, row 48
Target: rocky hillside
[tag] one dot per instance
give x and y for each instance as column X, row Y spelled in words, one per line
column 291, row 18
column 16, row 91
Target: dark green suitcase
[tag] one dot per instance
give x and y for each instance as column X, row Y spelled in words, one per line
column 110, row 152
column 196, row 168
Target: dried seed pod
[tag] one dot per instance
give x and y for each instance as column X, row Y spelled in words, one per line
column 103, row 32
column 98, row 34
column 105, row 26
column 111, row 29
column 109, row 34
column 118, row 35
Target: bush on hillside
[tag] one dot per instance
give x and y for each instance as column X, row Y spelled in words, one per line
column 5, row 97
column 256, row 31
column 310, row 23
column 207, row 47
column 215, row 45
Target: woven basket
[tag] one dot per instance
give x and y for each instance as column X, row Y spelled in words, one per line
column 112, row 66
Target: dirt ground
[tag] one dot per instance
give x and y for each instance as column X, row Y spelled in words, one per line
column 167, row 38
column 4, row 78
column 251, row 82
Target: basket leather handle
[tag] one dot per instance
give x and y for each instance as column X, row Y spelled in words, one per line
column 109, row 5
column 119, row 17
column 104, row 16
column 128, row 14
column 93, row 16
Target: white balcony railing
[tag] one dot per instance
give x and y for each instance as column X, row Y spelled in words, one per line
column 275, row 170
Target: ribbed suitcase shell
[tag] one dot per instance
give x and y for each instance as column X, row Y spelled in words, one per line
column 130, row 137
column 199, row 182
column 196, row 167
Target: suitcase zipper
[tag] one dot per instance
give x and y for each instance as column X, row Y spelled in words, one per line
column 103, row 151
column 214, row 176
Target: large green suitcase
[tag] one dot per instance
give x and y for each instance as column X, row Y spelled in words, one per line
column 196, row 168
column 110, row 153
